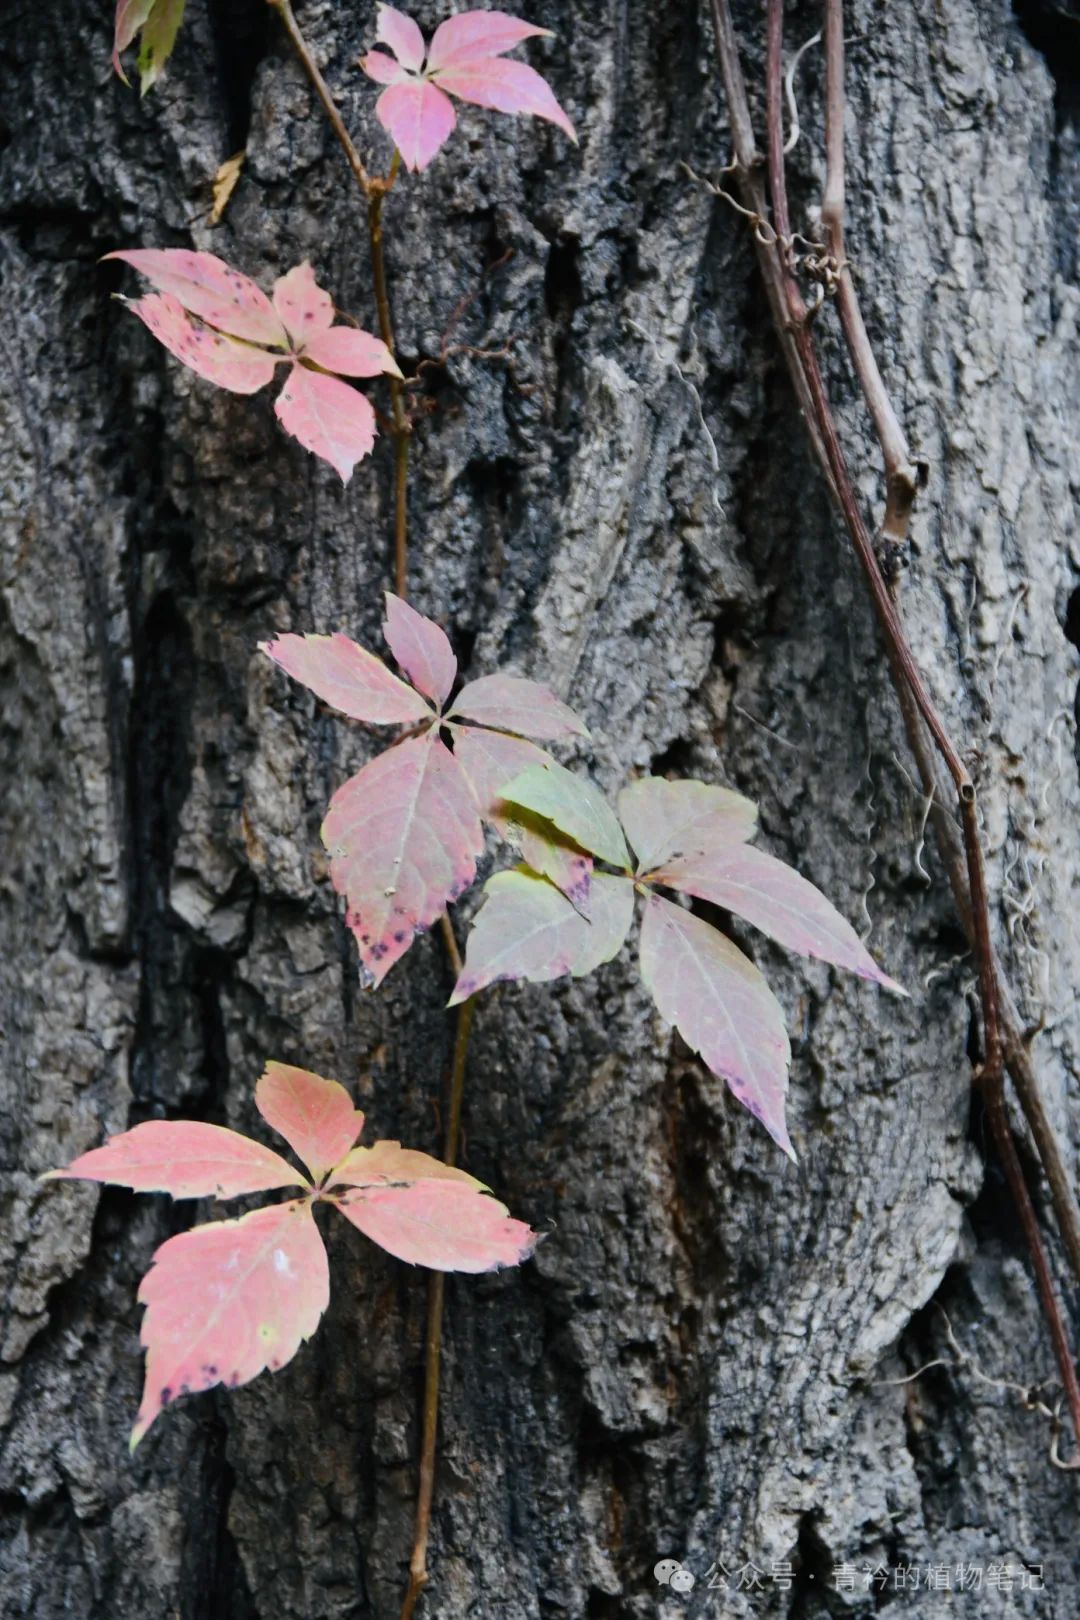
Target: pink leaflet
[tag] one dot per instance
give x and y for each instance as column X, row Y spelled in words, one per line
column 526, row 929
column 235, row 366
column 130, row 17
column 332, row 420
column 490, row 759
column 349, row 678
column 440, row 1224
column 351, row 353
column 682, row 819
column 722, row 1008
column 508, row 87
column 185, row 1158
column 418, row 118
column 388, row 1161
column 303, row 306
column 403, row 836
column 512, row 704
column 227, row 1300
column 775, row 898
column 382, row 68
column 421, row 648
column 402, row 36
column 315, row 1116
column 209, row 288
column 476, row 34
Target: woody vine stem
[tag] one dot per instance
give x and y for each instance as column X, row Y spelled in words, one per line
column 1003, row 1040
column 374, row 189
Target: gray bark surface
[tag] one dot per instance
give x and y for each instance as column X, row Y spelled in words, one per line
column 703, row 1361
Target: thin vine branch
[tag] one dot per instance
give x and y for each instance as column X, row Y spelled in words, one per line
column 790, row 316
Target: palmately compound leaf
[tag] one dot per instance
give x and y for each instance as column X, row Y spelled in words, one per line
column 349, row 678
column 526, row 929
column 465, row 58
column 404, row 836
column 222, row 325
column 159, row 22
column 422, row 649
column 315, row 1116
column 775, row 898
column 441, row 1224
column 228, row 1300
column 186, row 1158
column 510, row 703
column 490, row 758
column 721, row 1006
column 682, row 820
column 574, row 805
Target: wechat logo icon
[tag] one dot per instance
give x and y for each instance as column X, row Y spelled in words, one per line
column 669, row 1572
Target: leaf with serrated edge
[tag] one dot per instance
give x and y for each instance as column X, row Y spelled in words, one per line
column 315, row 1116
column 349, row 678
column 211, row 289
column 511, row 703
column 421, row 648
column 157, row 41
column 575, row 806
column 526, row 929
column 507, row 87
column 490, row 758
column 235, row 366
column 677, row 820
column 303, row 307
column 775, row 898
column 403, row 836
column 389, row 1162
column 351, row 352
column 186, row 1158
column 227, row 1300
column 402, row 36
column 332, row 420
column 472, row 35
column 418, row 118
column 441, row 1224
column 722, row 1008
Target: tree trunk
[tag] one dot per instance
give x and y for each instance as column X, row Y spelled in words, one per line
column 705, row 1359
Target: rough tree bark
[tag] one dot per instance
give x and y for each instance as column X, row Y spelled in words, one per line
column 703, row 1360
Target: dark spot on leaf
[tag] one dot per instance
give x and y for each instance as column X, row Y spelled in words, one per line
column 166, row 1395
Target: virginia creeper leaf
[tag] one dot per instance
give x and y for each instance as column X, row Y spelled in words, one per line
column 157, row 40
column 774, row 897
column 526, row 929
column 721, row 1006
column 421, row 648
column 220, row 359
column 315, row 1116
column 404, row 836
column 328, row 417
column 512, row 704
column 388, row 1162
column 186, row 1158
column 682, row 820
column 349, row 678
column 229, row 1299
column 575, row 806
column 211, row 289
column 465, row 58
column 351, row 353
column 491, row 758
column 441, row 1224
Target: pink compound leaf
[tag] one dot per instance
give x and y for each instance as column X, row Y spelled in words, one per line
column 508, row 87
column 403, row 836
column 186, row 1158
column 351, row 353
column 216, row 357
column 722, row 1008
column 490, row 759
column 526, row 929
column 388, row 1161
column 473, row 35
column 422, row 649
column 349, row 678
column 303, row 307
column 211, row 289
column 402, row 36
column 682, row 820
column 315, row 1116
column 775, row 898
column 418, row 118
column 440, row 1223
column 228, row 1300
column 332, row 420
column 511, row 703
